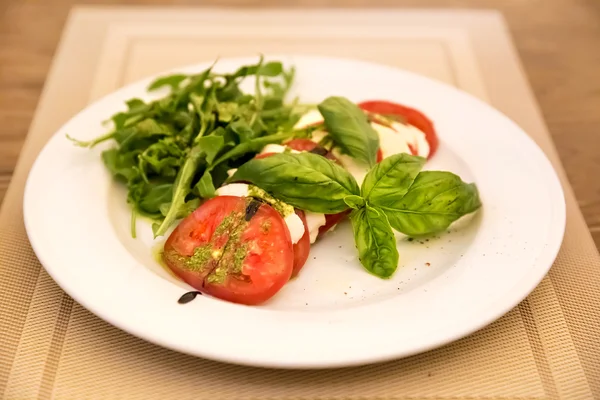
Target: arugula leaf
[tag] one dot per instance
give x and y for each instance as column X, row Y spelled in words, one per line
column 306, row 181
column 205, row 186
column 121, row 166
column 252, row 146
column 186, row 209
column 392, row 177
column 206, row 148
column 375, row 241
column 156, row 195
column 192, row 136
column 173, row 81
column 350, row 129
column 431, row 204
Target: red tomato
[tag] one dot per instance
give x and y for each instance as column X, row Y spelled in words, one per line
column 309, row 145
column 263, row 155
column 412, row 116
column 218, row 252
column 302, row 247
column 301, row 144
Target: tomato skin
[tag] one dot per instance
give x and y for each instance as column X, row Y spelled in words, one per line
column 244, row 262
column 411, row 115
column 302, row 247
column 309, row 145
column 263, row 155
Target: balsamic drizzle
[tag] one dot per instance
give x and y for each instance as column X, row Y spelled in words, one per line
column 319, row 150
column 187, row 297
column 252, row 208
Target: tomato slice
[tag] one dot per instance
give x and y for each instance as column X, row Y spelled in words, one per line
column 412, row 116
column 263, row 155
column 233, row 248
column 309, row 145
column 302, row 247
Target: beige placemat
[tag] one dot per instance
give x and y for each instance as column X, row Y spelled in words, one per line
column 50, row 347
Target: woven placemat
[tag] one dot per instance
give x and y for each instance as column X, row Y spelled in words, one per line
column 50, row 347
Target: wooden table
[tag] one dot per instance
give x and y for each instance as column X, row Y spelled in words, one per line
column 558, row 42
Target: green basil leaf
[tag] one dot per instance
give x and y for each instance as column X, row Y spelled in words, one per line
column 350, row 129
column 391, row 178
column 354, row 201
column 375, row 241
column 431, row 204
column 306, row 181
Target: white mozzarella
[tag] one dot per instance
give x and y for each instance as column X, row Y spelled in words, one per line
column 295, row 226
column 309, row 118
column 293, row 222
column 277, row 148
column 356, row 168
column 397, row 139
column 317, row 136
column 231, row 171
column 314, row 221
column 233, row 189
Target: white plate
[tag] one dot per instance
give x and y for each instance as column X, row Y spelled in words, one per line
column 334, row 313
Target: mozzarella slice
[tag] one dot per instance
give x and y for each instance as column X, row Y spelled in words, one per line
column 293, row 221
column 234, row 189
column 277, row 148
column 396, row 139
column 295, row 226
column 314, row 221
column 309, row 118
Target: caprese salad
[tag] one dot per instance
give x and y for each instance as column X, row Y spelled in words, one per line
column 250, row 181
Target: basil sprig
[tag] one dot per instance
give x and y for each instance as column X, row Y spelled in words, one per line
column 306, row 181
column 350, row 129
column 395, row 194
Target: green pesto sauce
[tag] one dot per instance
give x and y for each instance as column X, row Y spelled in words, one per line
column 282, row 208
column 239, row 257
column 199, row 260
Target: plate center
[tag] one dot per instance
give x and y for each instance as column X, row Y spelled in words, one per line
column 333, row 277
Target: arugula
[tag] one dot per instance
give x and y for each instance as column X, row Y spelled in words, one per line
column 395, row 194
column 172, row 152
column 349, row 128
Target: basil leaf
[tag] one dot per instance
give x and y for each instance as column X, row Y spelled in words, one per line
column 354, row 201
column 431, row 204
column 350, row 129
column 391, row 178
column 375, row 241
column 306, row 181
